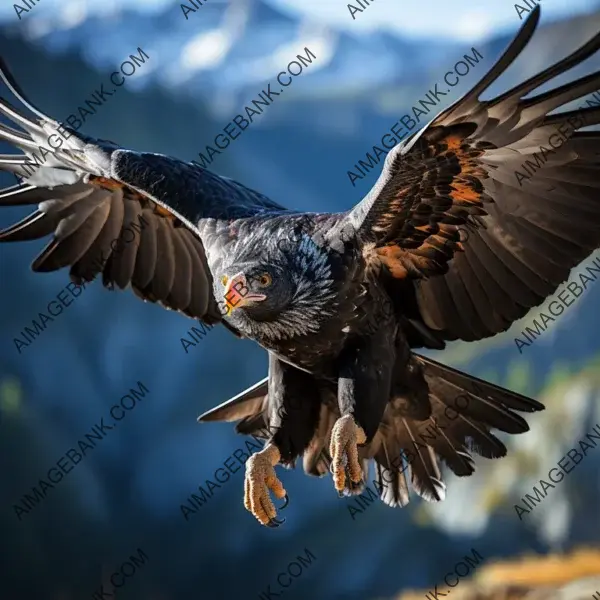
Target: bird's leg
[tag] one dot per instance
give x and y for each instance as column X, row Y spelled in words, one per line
column 292, row 413
column 260, row 478
column 364, row 386
column 346, row 469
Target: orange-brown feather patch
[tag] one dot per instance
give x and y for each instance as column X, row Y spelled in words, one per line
column 464, row 193
column 453, row 142
column 111, row 184
column 107, row 184
column 403, row 264
column 163, row 212
column 391, row 257
column 429, row 208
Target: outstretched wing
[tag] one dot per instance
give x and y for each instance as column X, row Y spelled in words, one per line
column 130, row 216
column 522, row 185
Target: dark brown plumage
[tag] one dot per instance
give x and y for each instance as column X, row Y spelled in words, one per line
column 524, row 236
column 340, row 301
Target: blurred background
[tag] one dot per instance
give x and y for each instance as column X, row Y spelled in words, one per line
column 128, row 491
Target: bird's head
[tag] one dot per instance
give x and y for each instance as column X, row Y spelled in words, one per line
column 276, row 290
column 259, row 288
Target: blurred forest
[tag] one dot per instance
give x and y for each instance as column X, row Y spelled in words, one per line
column 128, row 491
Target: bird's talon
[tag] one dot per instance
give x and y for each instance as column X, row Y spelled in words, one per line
column 259, row 481
column 285, row 503
column 346, row 435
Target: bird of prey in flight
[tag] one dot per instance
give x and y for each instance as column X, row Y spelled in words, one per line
column 341, row 306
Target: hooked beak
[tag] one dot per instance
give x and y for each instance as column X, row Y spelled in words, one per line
column 237, row 293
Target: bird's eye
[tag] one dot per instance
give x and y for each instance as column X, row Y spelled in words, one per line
column 264, row 280
column 224, row 280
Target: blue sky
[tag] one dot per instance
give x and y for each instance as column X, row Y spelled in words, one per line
column 458, row 19
column 224, row 49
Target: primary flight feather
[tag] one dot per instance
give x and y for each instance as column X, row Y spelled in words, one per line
column 340, row 301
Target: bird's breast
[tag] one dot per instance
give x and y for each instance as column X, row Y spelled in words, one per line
column 317, row 351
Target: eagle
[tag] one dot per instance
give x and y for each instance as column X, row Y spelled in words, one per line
column 449, row 244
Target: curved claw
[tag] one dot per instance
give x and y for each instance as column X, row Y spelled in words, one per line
column 286, row 501
column 352, row 485
column 273, row 523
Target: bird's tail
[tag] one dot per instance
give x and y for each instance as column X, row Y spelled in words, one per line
column 406, row 449
column 463, row 411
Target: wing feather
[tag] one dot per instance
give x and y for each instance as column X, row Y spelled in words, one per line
column 199, row 293
column 131, row 217
column 145, row 265
column 181, row 292
column 486, row 168
column 165, row 263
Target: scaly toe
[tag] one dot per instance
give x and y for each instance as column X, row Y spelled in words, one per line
column 260, row 479
column 272, row 522
column 354, row 487
column 346, row 468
